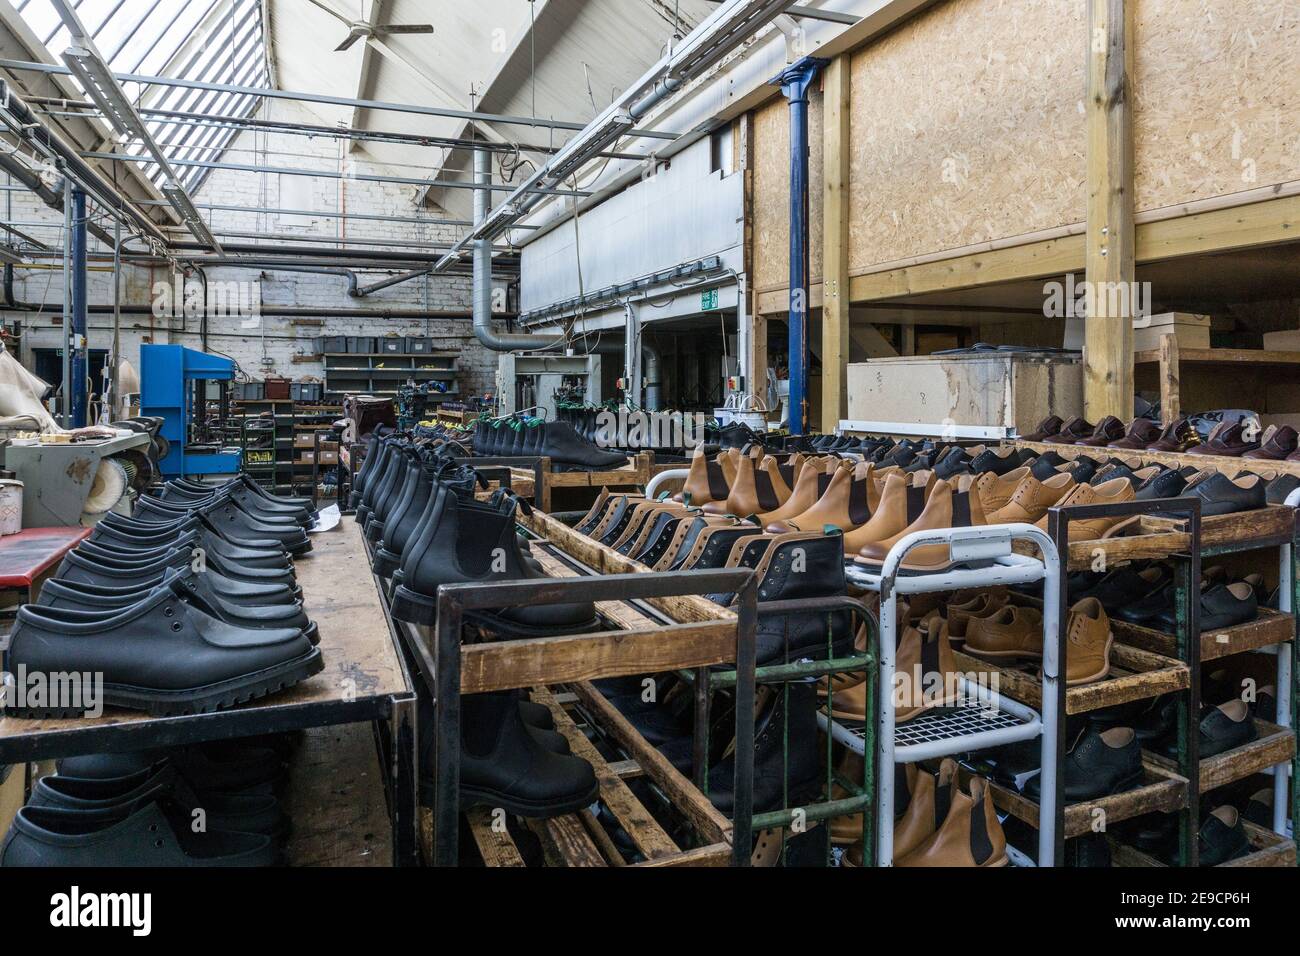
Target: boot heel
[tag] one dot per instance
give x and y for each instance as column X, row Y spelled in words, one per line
column 413, row 608
column 386, row 563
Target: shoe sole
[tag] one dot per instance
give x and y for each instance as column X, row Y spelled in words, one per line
column 474, row 797
column 195, row 700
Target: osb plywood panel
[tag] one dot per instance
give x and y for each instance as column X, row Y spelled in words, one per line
column 772, row 192
column 1217, row 87
column 967, row 127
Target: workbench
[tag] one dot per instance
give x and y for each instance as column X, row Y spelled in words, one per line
column 364, row 681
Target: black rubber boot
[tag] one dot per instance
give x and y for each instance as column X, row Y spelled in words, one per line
column 503, row 763
column 404, row 476
column 131, row 835
column 193, row 536
column 80, row 570
column 468, row 542
column 565, row 446
column 199, row 594
column 779, row 733
column 161, row 655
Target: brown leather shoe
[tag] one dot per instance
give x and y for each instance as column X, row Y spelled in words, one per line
column 1032, row 498
column 1048, row 427
column 931, row 799
column 1178, row 435
column 925, row 675
column 758, row 487
column 960, row 614
column 1227, row 439
column 1277, row 443
column 946, row 507
column 813, row 482
column 705, row 483
column 1109, row 429
column 1088, row 644
column 1141, row 433
column 843, row 506
column 996, row 490
column 901, row 502
column 1111, row 492
column 1013, row 633
column 970, row 836
column 1075, row 430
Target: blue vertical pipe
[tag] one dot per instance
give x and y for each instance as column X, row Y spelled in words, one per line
column 78, row 330
column 795, row 83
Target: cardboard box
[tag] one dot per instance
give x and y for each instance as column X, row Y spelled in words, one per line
column 1191, row 331
column 1286, row 341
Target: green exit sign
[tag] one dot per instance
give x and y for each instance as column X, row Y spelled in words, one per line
column 709, row 299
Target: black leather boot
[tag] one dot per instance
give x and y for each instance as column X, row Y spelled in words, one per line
column 161, row 655
column 565, row 446
column 469, row 542
column 405, row 476
column 372, row 466
column 778, row 731
column 503, row 763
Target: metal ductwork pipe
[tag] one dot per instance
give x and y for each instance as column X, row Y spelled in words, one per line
column 482, row 283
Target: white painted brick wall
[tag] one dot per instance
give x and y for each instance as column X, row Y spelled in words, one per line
column 277, row 339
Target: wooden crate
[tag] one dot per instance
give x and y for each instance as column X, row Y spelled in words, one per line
column 1267, row 849
column 1161, row 792
column 1271, row 627
column 635, row 474
column 1275, row 745
column 1135, row 674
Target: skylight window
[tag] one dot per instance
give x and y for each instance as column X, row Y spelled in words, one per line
column 214, row 42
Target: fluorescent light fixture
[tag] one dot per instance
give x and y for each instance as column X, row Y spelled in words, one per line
column 180, row 200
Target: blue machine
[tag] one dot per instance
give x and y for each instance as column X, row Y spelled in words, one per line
column 168, row 385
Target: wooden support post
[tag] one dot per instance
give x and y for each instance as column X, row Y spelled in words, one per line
column 1110, row 242
column 1170, row 403
column 756, row 359
column 835, row 243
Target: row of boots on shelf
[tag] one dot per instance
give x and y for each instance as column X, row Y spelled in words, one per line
column 535, row 438
column 189, row 606
column 420, row 511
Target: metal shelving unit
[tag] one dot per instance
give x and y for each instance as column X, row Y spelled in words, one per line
column 985, row 717
column 382, row 373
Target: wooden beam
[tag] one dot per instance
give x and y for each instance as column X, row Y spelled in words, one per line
column 1110, row 244
column 756, row 359
column 837, row 84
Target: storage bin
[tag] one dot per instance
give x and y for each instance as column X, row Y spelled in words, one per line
column 277, row 389
column 361, row 344
column 418, row 345
column 305, row 391
column 248, row 391
column 332, row 344
column 391, row 345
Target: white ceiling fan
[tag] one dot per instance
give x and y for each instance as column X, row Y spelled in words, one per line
column 360, row 29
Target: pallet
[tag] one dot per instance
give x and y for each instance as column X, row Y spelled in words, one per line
column 1135, row 674
column 1275, row 745
column 1161, row 791
column 1268, row 849
column 1269, row 628
column 637, row 473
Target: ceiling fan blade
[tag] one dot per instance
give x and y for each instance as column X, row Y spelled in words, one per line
column 331, row 11
column 347, row 44
column 406, row 28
